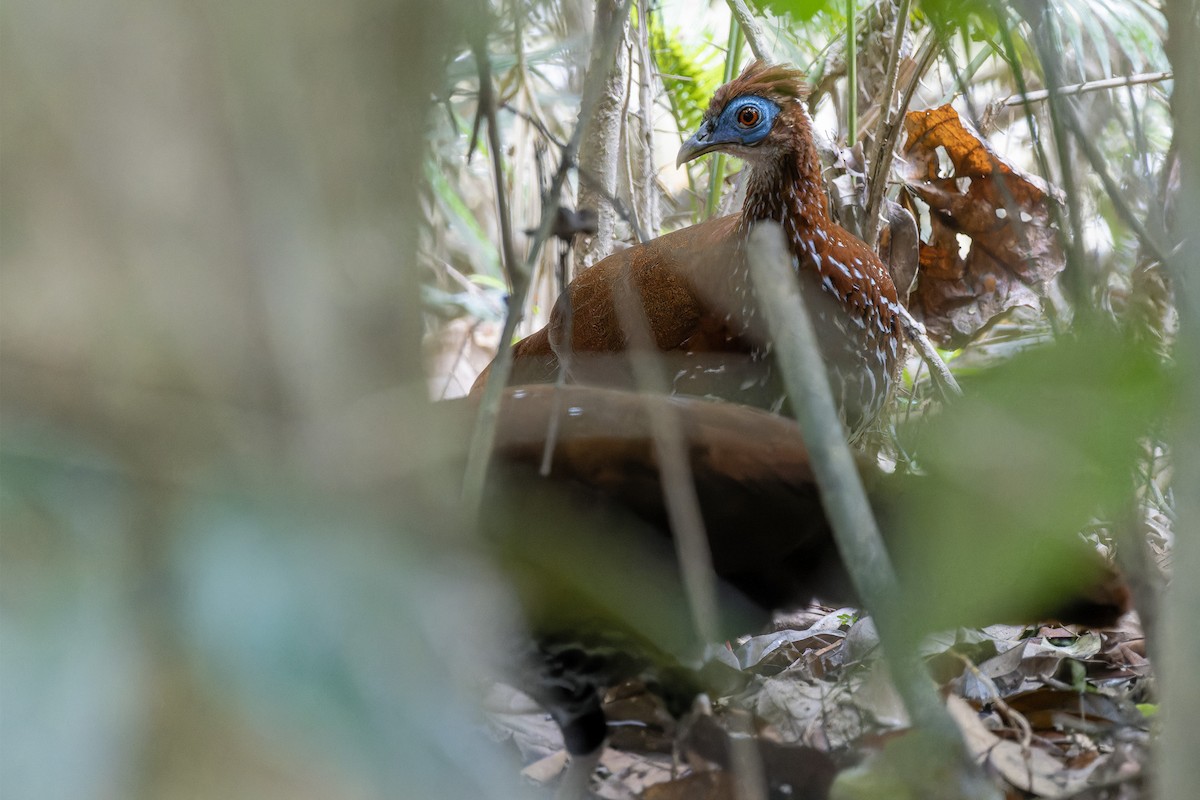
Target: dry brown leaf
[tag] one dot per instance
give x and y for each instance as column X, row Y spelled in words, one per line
column 1004, row 213
column 1047, row 709
column 624, row 776
column 1028, row 768
column 697, row 786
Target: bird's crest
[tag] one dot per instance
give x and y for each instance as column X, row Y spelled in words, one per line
column 772, row 81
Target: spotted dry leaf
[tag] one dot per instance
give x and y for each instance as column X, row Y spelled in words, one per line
column 1004, row 215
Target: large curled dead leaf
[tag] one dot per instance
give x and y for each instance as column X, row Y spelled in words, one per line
column 1004, row 214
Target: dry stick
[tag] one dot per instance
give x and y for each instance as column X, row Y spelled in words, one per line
column 634, row 211
column 648, row 198
column 1049, row 49
column 565, row 355
column 1096, row 159
column 487, row 109
column 564, row 370
column 889, row 131
column 1091, row 86
column 943, row 377
column 679, row 490
column 851, row 72
column 885, row 145
column 750, row 29
column 483, row 437
column 640, row 233
column 855, row 532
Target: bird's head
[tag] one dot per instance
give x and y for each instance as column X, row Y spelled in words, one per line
column 752, row 117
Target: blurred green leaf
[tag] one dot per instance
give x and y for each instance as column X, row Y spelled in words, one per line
column 796, row 9
column 976, row 17
column 334, row 635
column 690, row 75
column 1035, row 450
column 72, row 665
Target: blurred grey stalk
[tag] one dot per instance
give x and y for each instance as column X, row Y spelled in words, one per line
column 224, row 523
column 1178, row 772
column 854, row 529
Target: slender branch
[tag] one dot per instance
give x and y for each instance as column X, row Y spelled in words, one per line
column 851, row 74
column 824, row 434
column 889, row 132
column 1090, row 86
column 855, row 532
column 716, row 175
column 751, row 29
column 678, row 487
column 648, row 194
column 483, row 437
column 487, row 107
column 1049, row 47
column 943, row 378
column 1115, row 194
column 885, row 136
column 639, row 232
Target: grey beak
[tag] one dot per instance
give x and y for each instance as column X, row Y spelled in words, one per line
column 698, row 145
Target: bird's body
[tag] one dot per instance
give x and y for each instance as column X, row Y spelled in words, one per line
column 589, row 544
column 695, row 288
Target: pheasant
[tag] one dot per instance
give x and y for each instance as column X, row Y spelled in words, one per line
column 575, row 539
column 695, row 288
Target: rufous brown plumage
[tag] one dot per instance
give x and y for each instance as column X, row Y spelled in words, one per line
column 694, row 284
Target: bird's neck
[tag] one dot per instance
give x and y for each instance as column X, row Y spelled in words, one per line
column 788, row 191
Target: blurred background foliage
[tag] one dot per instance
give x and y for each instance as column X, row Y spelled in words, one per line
column 242, row 244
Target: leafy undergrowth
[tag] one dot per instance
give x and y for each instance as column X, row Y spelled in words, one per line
column 1048, row 711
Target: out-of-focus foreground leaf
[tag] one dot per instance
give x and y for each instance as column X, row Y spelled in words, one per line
column 284, row 646
column 1036, row 450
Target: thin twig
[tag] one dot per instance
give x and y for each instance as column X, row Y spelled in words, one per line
column 1090, row 86
column 623, row 136
column 679, row 490
column 889, row 133
column 650, row 211
column 943, row 378
column 483, row 437
column 824, row 434
column 751, row 30
column 854, row 530
column 881, row 162
column 640, row 234
column 1049, row 47
column 851, row 74
column 487, row 110
column 716, row 175
column 1115, row 194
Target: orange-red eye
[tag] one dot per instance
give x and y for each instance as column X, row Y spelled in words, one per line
column 748, row 116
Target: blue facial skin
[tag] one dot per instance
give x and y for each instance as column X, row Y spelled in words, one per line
column 745, row 121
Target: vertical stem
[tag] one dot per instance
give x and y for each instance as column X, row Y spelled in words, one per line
column 483, row 437
column 851, row 74
column 599, row 146
column 1178, row 768
column 853, row 522
column 716, row 175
